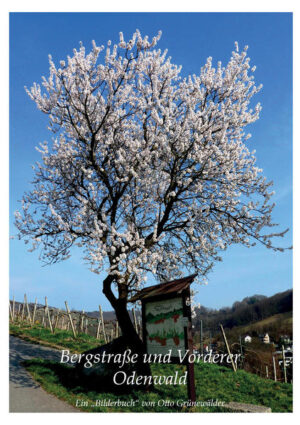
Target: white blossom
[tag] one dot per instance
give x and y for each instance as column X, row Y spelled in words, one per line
column 149, row 171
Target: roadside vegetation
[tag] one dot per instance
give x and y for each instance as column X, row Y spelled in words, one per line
column 60, row 339
column 213, row 382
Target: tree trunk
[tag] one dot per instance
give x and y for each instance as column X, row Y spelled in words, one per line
column 128, row 330
column 126, row 325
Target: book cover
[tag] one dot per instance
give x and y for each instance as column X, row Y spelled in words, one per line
column 151, row 212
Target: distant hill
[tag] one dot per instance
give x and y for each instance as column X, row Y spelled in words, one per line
column 276, row 325
column 249, row 310
column 108, row 315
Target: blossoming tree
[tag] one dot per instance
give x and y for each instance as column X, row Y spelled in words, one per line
column 148, row 171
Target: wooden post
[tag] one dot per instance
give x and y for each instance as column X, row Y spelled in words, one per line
column 267, row 372
column 53, row 319
column 274, row 369
column 48, row 313
column 23, row 311
column 98, row 329
column 13, row 309
column 62, row 322
column 34, row 311
column 190, row 365
column 68, row 326
column 102, row 322
column 81, row 321
column 27, row 307
column 52, row 316
column 117, row 329
column 86, row 326
column 19, row 311
column 241, row 351
column 70, row 319
column 284, row 365
column 10, row 312
column 134, row 320
column 56, row 320
column 228, row 349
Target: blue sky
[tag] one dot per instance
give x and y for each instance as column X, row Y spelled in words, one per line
column 190, row 38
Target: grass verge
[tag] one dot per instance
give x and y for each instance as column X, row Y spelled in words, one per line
column 213, row 382
column 61, row 339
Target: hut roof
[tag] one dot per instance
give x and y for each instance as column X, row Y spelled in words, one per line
column 174, row 286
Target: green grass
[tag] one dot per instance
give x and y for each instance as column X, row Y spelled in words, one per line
column 212, row 382
column 60, row 339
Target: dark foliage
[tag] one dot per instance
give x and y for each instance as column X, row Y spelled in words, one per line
column 249, row 310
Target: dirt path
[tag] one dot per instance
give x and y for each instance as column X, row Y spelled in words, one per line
column 25, row 395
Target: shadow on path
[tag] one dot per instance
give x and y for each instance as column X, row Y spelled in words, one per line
column 25, row 395
column 21, row 350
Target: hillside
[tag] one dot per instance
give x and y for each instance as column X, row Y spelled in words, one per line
column 265, row 312
column 282, row 321
column 276, row 325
